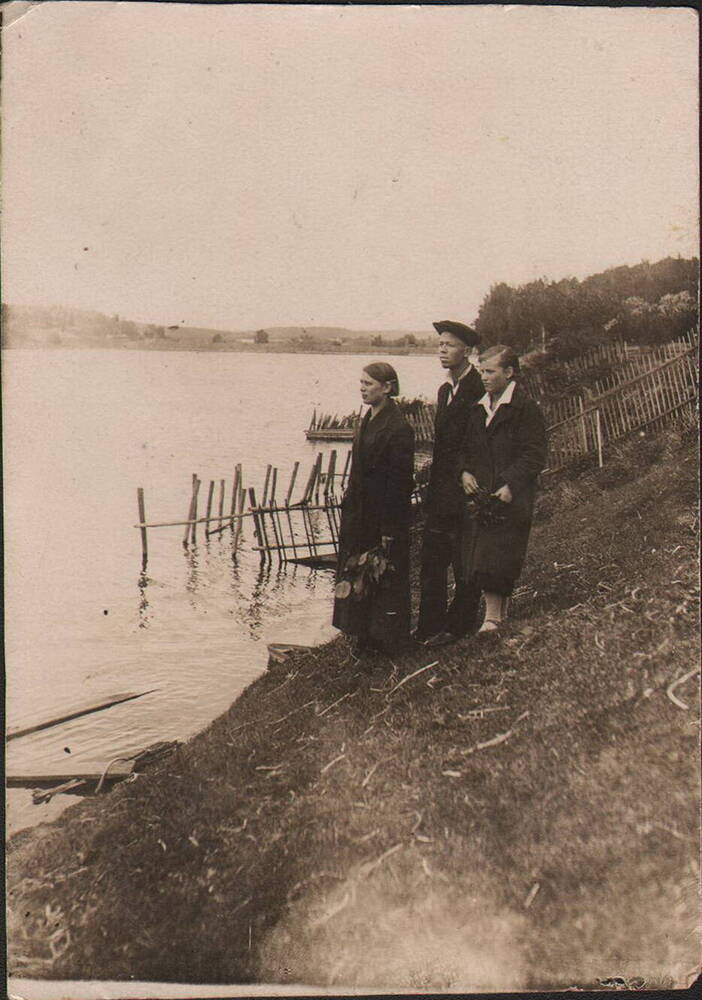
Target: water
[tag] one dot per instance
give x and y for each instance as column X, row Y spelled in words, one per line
column 83, row 429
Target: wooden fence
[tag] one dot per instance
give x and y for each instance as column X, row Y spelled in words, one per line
column 649, row 400
column 631, row 361
column 328, row 427
column 307, row 529
column 537, row 384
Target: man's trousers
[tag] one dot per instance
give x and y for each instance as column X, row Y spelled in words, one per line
column 441, row 549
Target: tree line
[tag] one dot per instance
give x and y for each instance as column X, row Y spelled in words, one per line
column 644, row 303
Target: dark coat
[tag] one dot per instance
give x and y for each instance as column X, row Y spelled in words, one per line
column 443, row 505
column 510, row 451
column 378, row 502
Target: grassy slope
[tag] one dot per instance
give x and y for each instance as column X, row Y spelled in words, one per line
column 330, row 828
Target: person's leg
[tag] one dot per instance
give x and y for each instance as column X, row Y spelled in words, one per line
column 462, row 616
column 493, row 607
column 495, row 611
column 433, row 580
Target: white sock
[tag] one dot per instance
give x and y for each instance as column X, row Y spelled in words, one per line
column 493, row 607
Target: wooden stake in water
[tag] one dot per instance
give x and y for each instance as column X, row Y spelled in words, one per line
column 210, row 494
column 257, row 526
column 307, row 495
column 331, row 473
column 240, row 509
column 235, row 492
column 293, row 477
column 198, row 483
column 191, row 514
column 318, row 477
column 265, row 486
column 221, row 502
column 142, row 522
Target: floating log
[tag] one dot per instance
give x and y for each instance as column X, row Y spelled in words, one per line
column 76, row 713
column 324, row 560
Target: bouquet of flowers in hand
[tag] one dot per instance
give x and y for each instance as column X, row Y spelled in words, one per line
column 363, row 572
column 486, row 509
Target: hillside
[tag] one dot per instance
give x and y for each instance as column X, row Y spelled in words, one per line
column 493, row 816
column 63, row 326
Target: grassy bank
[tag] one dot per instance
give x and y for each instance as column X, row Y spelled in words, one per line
column 523, row 813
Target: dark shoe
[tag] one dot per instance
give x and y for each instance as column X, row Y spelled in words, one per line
column 441, row 639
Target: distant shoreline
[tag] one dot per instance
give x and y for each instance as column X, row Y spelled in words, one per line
column 237, row 348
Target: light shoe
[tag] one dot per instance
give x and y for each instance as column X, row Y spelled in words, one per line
column 489, row 627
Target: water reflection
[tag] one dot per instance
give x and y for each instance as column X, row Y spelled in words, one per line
column 254, row 613
column 142, row 583
column 193, row 578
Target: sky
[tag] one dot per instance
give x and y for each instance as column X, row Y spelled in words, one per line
column 374, row 168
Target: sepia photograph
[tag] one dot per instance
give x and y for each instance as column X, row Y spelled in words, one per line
column 350, row 360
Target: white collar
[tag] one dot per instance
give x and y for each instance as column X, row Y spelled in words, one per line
column 506, row 397
column 454, row 386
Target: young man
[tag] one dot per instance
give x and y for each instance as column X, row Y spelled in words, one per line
column 441, row 544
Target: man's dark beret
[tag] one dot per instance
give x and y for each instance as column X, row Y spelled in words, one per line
column 469, row 337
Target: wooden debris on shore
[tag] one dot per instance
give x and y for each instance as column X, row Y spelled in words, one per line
column 76, row 713
column 46, row 786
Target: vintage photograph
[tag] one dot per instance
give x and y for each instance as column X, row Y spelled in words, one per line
column 350, row 464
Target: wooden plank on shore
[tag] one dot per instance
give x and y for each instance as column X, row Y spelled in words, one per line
column 118, row 772
column 76, row 713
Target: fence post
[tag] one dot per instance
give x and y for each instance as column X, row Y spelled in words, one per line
column 598, row 431
column 583, row 426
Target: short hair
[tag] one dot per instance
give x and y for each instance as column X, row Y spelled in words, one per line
column 507, row 357
column 381, row 371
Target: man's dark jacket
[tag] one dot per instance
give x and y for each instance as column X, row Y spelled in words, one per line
column 443, row 505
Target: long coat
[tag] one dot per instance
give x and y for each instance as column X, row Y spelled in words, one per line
column 510, row 451
column 443, row 505
column 377, row 503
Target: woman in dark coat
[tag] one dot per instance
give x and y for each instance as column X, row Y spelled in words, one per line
column 503, row 452
column 375, row 512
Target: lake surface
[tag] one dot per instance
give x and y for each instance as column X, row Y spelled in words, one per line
column 84, row 429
